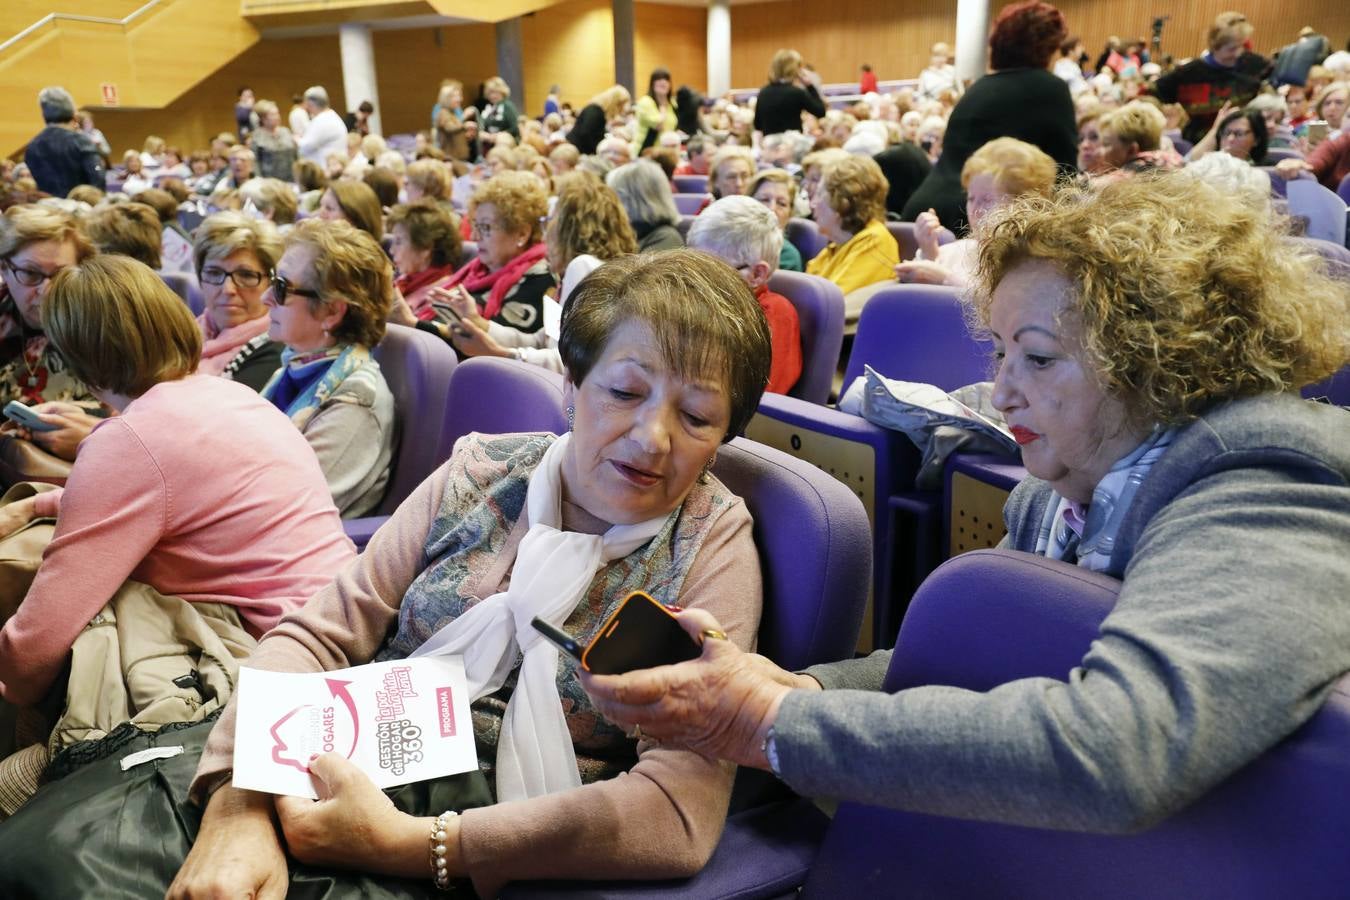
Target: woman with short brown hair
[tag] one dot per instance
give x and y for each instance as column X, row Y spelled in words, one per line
column 849, row 206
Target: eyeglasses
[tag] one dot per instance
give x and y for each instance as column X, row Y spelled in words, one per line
column 482, row 229
column 242, row 278
column 29, row 277
column 281, row 288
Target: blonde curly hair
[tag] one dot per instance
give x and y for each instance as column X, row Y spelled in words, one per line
column 1185, row 296
column 520, row 201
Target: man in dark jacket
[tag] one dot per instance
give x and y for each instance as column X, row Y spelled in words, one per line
column 62, row 156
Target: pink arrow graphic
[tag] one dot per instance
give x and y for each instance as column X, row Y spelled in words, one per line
column 338, row 689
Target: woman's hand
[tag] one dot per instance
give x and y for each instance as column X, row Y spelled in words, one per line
column 400, row 313
column 1289, row 169
column 15, row 515
column 74, row 425
column 237, row 852
column 927, row 229
column 353, row 825
column 921, row 271
column 471, row 340
column 720, row 705
column 462, row 302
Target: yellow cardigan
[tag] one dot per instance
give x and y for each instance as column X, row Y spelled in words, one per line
column 869, row 256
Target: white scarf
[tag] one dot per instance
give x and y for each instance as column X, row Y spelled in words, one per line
column 551, row 574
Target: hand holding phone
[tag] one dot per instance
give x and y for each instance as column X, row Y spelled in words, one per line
column 23, row 415
column 640, row 634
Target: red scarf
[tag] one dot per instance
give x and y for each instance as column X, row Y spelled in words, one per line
column 476, row 278
column 408, row 285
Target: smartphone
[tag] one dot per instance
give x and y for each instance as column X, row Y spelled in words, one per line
column 1317, row 132
column 449, row 310
column 20, row 414
column 640, row 634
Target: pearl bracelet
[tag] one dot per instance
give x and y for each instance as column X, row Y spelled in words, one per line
column 439, row 871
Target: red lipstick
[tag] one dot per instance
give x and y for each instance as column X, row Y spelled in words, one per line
column 1023, row 435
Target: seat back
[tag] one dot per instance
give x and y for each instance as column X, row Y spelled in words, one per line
column 820, row 315
column 1324, row 210
column 1334, row 390
column 417, row 366
column 1280, row 154
column 917, row 332
column 690, row 184
column 907, row 240
column 1275, row 828
column 1343, row 189
column 185, row 286
column 689, row 204
column 502, row 396
column 1337, row 257
column 805, row 235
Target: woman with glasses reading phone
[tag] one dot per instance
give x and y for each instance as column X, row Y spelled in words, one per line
column 327, row 303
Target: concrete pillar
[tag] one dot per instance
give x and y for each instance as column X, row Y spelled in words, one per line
column 719, row 47
column 511, row 60
column 624, row 41
column 358, row 71
column 972, row 38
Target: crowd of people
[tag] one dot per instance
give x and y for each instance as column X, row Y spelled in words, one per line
column 1111, row 227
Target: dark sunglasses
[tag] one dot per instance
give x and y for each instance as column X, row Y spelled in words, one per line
column 281, row 289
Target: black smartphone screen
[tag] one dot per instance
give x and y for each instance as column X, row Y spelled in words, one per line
column 640, row 634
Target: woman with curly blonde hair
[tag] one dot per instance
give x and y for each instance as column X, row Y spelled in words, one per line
column 849, row 205
column 1151, row 337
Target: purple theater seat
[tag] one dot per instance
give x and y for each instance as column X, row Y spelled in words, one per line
column 1276, row 828
column 501, row 396
column 689, row 204
column 905, row 238
column 1182, row 146
column 805, row 235
column 417, row 367
column 975, row 489
column 690, row 184
column 1324, row 210
column 820, row 314
column 185, row 286
column 1337, row 257
column 1280, row 154
column 1334, row 390
column 813, row 545
column 1343, row 189
column 912, row 333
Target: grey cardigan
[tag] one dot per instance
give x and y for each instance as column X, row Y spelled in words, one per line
column 1232, row 626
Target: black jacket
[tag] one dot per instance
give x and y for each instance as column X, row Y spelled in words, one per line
column 905, row 167
column 588, row 130
column 779, row 107
column 60, row 159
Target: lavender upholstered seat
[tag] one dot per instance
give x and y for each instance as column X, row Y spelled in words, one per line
column 1280, row 154
column 689, row 204
column 690, row 184
column 1274, row 829
column 1324, row 210
column 501, row 396
column 908, row 243
column 820, row 315
column 418, row 367
column 185, row 286
column 1343, row 189
column 805, row 235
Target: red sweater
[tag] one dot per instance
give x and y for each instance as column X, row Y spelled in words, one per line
column 1331, row 160
column 786, row 338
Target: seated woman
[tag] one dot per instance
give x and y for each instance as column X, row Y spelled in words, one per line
column 507, row 281
column 737, row 231
column 1000, row 171
column 777, row 190
column 143, row 501
column 849, row 206
column 1152, row 335
column 731, row 171
column 587, row 227
column 1090, row 160
column 1241, row 134
column 1131, row 139
column 667, row 355
column 355, row 203
column 594, row 118
column 426, row 248
column 234, row 254
column 328, row 301
column 644, row 191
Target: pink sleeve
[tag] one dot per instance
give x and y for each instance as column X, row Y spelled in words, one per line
column 116, row 514
column 48, row 505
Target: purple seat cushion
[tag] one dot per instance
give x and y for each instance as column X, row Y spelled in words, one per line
column 820, row 315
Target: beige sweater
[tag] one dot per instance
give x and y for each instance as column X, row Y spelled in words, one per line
column 661, row 819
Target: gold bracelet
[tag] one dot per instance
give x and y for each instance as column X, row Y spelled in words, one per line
column 440, row 873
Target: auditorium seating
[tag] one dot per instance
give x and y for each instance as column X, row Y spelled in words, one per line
column 905, row 238
column 185, row 286
column 690, row 184
column 820, row 316
column 689, row 204
column 1324, row 210
column 804, row 234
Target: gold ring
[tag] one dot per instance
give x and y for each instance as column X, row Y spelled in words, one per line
column 637, row 733
column 714, row 634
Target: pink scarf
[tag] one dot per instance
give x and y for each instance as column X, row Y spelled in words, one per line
column 416, row 289
column 219, row 347
column 476, row 278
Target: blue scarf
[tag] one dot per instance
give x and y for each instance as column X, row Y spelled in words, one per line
column 305, row 381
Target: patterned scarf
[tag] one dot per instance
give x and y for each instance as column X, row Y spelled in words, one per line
column 1088, row 536
column 220, row 347
column 304, row 382
column 410, row 285
column 476, row 278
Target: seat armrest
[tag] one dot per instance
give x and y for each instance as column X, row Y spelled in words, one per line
column 363, row 529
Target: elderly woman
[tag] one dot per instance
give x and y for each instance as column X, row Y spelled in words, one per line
column 645, row 194
column 1090, row 160
column 588, row 226
column 429, row 179
column 791, row 91
column 1240, row 133
column 328, row 301
column 1331, row 104
column 1002, row 170
column 666, row 358
column 272, row 142
column 507, row 281
column 426, row 249
column 776, row 189
column 1131, row 139
column 594, row 118
column 355, row 203
column 731, row 172
column 1151, row 337
column 500, row 114
column 144, row 501
column 1020, row 98
column 655, row 111
column 849, row 206
column 273, row 199
column 234, row 254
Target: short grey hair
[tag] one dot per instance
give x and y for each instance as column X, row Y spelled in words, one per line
column 1232, row 176
column 644, row 193
column 1262, row 102
column 741, row 231
column 317, row 95
column 57, row 104
column 229, row 232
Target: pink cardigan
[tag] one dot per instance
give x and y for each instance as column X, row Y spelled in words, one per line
column 200, row 489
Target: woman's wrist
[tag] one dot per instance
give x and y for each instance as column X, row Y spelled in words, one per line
column 406, row 851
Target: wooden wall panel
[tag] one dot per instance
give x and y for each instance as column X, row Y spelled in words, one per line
column 16, row 15
column 675, row 37
column 570, row 45
column 410, row 66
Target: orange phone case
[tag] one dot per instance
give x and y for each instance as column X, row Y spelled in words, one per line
column 640, row 634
